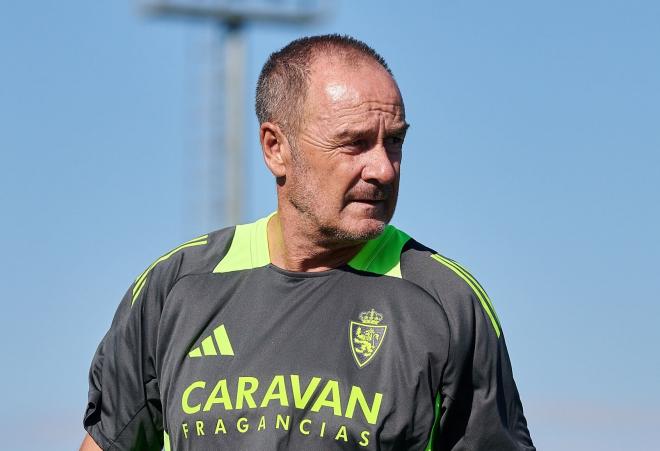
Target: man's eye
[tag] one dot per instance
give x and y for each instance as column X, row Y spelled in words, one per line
column 358, row 143
column 394, row 140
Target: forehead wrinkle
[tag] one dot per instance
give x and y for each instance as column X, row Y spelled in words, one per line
column 360, row 114
column 366, row 127
column 370, row 105
column 372, row 117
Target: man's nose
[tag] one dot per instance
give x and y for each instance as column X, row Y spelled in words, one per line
column 379, row 165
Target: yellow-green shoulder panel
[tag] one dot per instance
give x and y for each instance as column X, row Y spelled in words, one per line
column 248, row 249
column 382, row 255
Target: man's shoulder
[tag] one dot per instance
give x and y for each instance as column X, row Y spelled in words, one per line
column 236, row 248
column 395, row 253
column 199, row 255
column 450, row 283
column 425, row 266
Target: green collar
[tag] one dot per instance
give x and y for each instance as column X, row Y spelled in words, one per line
column 249, row 250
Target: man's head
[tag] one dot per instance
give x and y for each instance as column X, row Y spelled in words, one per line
column 332, row 125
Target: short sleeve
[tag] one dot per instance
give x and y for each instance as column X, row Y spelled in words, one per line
column 481, row 408
column 478, row 406
column 124, row 409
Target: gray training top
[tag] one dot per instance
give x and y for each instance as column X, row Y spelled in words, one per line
column 213, row 347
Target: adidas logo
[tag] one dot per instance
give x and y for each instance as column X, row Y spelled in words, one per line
column 208, row 346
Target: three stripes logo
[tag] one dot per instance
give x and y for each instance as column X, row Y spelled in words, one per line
column 215, row 344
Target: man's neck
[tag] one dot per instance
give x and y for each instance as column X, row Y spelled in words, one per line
column 294, row 248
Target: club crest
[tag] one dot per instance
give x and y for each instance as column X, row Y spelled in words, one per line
column 366, row 336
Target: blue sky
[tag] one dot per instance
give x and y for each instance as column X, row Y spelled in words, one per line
column 533, row 159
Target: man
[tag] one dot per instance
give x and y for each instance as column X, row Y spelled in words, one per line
column 320, row 326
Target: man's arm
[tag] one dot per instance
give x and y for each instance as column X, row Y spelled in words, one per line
column 123, row 406
column 89, row 444
column 124, row 409
column 480, row 406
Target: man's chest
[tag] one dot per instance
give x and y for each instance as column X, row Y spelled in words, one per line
column 258, row 360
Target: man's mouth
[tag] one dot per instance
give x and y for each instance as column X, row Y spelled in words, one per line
column 373, row 203
column 376, row 196
column 368, row 201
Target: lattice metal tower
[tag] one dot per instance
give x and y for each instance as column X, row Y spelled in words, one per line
column 224, row 112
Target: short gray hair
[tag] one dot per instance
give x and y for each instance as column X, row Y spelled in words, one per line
column 284, row 79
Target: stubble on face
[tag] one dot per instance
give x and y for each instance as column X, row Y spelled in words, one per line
column 304, row 198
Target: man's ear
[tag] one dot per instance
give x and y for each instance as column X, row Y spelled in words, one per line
column 275, row 148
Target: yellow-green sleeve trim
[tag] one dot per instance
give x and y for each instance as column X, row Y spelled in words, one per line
column 248, row 249
column 483, row 298
column 382, row 255
column 478, row 286
column 166, row 442
column 141, row 280
column 436, row 422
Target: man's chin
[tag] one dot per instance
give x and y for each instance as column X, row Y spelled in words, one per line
column 361, row 230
